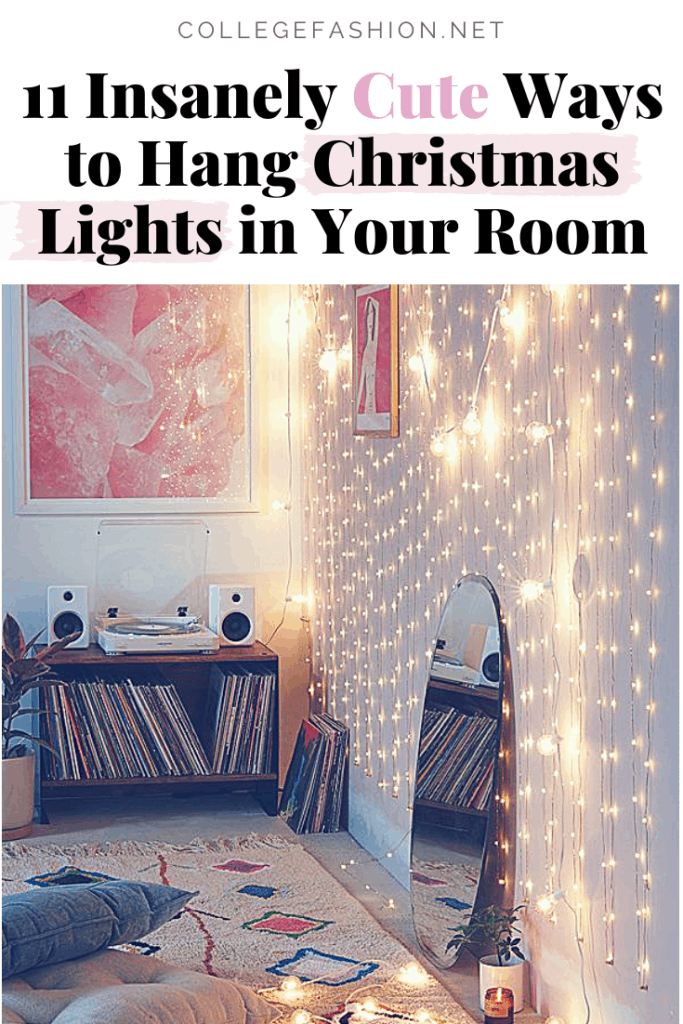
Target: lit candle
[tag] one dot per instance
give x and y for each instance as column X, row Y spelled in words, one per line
column 499, row 1006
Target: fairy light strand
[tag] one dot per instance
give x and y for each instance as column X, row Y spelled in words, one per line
column 653, row 553
column 466, row 507
column 578, row 803
column 290, row 472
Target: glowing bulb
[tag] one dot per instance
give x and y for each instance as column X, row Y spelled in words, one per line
column 416, row 363
column 530, row 590
column 489, row 426
column 558, row 290
column 328, row 360
column 300, row 1017
column 412, row 974
column 546, row 745
column 513, row 319
column 538, row 432
column 471, row 424
column 437, row 447
column 545, row 903
column 291, row 984
column 554, row 1020
column 370, row 1005
column 423, row 1016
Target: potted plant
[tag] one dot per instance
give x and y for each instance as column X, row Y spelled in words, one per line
column 495, row 928
column 20, row 674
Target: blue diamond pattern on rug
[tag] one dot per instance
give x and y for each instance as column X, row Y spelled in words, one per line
column 69, row 875
column 454, row 903
column 310, row 964
column 264, row 892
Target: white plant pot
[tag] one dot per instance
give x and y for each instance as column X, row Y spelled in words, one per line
column 18, row 777
column 509, row 975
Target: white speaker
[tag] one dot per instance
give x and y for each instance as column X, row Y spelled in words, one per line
column 232, row 613
column 490, row 656
column 482, row 651
column 67, row 612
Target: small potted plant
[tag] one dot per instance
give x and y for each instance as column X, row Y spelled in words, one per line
column 495, row 928
column 20, row 674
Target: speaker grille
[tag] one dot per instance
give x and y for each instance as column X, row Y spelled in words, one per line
column 236, row 627
column 491, row 667
column 66, row 623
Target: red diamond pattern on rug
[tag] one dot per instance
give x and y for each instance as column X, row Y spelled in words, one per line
column 285, row 924
column 426, row 879
column 242, row 867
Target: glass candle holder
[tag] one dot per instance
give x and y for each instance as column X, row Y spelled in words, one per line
column 499, row 1006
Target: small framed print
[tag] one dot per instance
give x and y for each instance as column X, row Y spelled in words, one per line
column 375, row 361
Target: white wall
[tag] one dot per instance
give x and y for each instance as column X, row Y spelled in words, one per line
column 390, row 527
column 247, row 548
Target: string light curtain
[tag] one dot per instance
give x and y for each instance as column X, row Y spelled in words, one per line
column 560, row 493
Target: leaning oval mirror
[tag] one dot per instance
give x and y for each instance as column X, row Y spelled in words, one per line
column 462, row 854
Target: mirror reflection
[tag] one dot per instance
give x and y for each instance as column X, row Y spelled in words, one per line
column 453, row 807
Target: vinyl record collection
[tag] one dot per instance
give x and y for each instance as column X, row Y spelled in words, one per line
column 312, row 795
column 456, row 759
column 120, row 729
column 240, row 714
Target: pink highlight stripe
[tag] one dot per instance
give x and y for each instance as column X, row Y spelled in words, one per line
column 342, row 163
column 197, row 227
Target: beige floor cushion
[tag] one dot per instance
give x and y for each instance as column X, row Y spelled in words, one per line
column 114, row 987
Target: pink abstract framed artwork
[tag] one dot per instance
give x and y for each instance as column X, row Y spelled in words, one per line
column 375, row 361
column 133, row 399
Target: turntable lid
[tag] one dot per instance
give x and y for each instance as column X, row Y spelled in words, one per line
column 151, row 566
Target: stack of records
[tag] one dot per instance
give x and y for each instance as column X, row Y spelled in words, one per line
column 456, row 759
column 118, row 730
column 313, row 791
column 240, row 713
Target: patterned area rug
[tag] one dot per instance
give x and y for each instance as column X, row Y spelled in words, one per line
column 443, row 895
column 266, row 911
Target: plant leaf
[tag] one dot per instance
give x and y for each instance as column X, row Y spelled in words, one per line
column 44, row 680
column 58, row 645
column 13, row 638
column 35, row 711
column 29, row 668
column 34, row 639
column 9, row 712
column 20, row 734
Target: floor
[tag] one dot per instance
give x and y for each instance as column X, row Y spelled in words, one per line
column 180, row 819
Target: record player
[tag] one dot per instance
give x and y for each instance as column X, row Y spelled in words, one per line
column 150, row 587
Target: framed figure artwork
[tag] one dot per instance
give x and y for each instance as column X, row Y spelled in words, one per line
column 375, row 361
column 133, row 399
